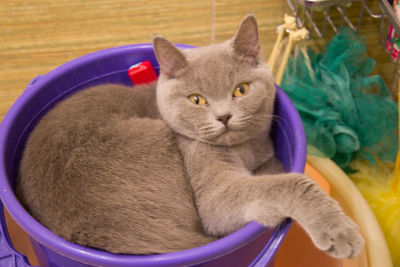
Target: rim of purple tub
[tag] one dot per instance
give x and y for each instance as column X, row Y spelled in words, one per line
column 93, row 256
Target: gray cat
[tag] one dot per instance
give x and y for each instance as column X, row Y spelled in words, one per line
column 174, row 165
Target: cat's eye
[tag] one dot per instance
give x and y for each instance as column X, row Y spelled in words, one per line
column 197, row 100
column 240, row 89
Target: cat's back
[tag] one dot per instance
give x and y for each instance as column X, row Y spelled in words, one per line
column 101, row 169
column 96, row 105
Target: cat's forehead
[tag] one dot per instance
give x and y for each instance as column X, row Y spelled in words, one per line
column 210, row 55
column 215, row 67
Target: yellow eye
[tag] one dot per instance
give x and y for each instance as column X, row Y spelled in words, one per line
column 197, row 100
column 240, row 89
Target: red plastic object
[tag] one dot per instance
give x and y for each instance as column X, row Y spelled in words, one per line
column 142, row 73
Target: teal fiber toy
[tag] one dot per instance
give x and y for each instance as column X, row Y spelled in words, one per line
column 346, row 113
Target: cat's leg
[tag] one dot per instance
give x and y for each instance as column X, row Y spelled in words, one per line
column 321, row 216
column 228, row 197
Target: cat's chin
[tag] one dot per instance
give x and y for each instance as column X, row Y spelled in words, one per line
column 229, row 137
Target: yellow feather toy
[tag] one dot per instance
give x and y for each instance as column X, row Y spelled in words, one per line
column 379, row 186
column 376, row 185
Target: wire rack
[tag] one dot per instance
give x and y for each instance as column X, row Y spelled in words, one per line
column 304, row 11
column 318, row 16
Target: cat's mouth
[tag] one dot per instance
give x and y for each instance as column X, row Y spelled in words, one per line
column 226, row 135
column 234, row 134
column 230, row 133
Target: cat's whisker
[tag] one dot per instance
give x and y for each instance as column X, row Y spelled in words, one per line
column 277, row 120
column 245, row 120
column 249, row 120
column 206, row 128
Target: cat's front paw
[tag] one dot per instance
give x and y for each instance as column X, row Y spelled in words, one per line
column 339, row 240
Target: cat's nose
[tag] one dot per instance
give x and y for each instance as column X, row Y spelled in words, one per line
column 224, row 119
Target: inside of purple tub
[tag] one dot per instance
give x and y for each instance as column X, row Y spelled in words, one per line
column 34, row 103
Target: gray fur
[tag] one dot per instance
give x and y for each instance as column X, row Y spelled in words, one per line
column 229, row 167
column 104, row 170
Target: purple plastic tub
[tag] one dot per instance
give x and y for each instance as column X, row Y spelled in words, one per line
column 252, row 245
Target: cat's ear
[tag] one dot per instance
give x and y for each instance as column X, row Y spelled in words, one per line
column 245, row 42
column 171, row 59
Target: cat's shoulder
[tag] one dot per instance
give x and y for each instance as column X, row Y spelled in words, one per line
column 108, row 99
column 112, row 91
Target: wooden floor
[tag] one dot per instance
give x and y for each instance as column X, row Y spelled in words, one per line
column 38, row 35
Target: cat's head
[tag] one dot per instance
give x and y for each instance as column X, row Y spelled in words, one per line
column 221, row 94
